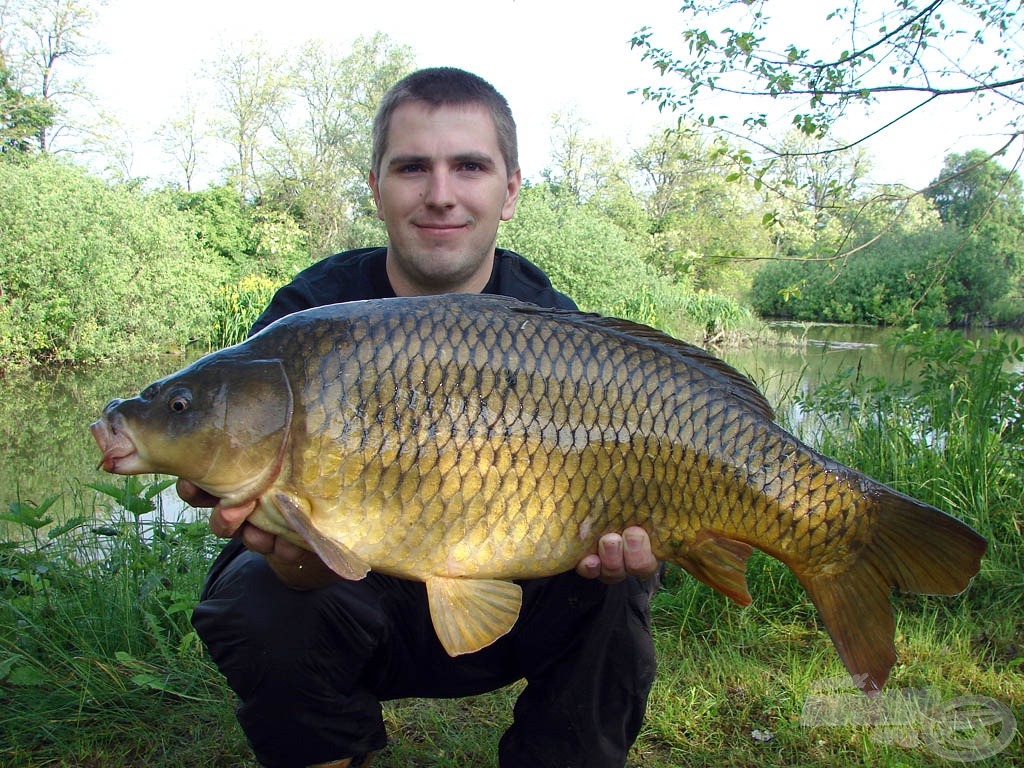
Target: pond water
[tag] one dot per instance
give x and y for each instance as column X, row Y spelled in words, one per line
column 45, row 444
column 46, row 447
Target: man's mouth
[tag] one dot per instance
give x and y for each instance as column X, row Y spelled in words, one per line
column 432, row 228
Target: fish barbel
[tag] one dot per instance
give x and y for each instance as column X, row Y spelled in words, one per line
column 468, row 440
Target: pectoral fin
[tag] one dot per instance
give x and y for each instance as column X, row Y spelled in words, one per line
column 470, row 614
column 720, row 563
column 339, row 558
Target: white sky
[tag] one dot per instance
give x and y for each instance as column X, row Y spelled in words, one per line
column 545, row 56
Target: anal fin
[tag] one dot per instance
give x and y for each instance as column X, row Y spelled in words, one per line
column 336, row 556
column 470, row 614
column 720, row 563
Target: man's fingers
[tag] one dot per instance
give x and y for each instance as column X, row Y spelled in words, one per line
column 620, row 555
column 226, row 521
column 193, row 495
column 589, row 567
column 258, row 540
column 609, row 549
column 638, row 558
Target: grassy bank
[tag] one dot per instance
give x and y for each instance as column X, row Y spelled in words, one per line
column 100, row 667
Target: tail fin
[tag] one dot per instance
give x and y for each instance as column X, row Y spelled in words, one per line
column 915, row 548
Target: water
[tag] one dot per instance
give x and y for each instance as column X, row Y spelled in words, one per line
column 47, row 449
column 45, row 444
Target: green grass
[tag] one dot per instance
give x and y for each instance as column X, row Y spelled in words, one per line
column 100, row 667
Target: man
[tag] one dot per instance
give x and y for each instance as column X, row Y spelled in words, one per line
column 310, row 655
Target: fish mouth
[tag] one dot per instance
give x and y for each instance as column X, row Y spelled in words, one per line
column 120, row 456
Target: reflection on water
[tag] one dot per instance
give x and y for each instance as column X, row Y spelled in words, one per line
column 45, row 444
column 798, row 357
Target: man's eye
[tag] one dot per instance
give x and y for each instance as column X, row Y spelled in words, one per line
column 411, row 168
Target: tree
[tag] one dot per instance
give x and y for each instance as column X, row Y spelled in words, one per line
column 251, row 87
column 900, row 54
column 582, row 167
column 22, row 117
column 701, row 214
column 973, row 186
column 182, row 136
column 38, row 37
column 319, row 157
column 985, row 203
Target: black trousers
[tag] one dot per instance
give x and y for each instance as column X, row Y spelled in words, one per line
column 311, row 668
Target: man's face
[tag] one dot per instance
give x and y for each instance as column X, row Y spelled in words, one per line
column 442, row 189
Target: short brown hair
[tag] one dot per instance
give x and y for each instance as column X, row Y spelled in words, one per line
column 440, row 86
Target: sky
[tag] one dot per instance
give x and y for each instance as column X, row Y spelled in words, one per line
column 545, row 56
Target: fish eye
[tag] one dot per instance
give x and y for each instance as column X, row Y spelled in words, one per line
column 179, row 401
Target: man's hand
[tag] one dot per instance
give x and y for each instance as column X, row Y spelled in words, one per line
column 618, row 556
column 295, row 566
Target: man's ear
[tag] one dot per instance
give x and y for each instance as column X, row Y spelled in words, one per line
column 515, row 183
column 375, row 188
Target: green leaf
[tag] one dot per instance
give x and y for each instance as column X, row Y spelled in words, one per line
column 67, row 525
column 115, row 492
column 151, row 681
column 29, row 514
column 25, row 675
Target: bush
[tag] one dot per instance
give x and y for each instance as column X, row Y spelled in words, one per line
column 585, row 254
column 249, row 237
column 894, row 281
column 91, row 272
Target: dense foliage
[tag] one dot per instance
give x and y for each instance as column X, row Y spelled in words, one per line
column 584, row 253
column 956, row 259
column 889, row 282
column 89, row 271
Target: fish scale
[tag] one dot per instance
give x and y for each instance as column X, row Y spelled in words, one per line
column 467, row 441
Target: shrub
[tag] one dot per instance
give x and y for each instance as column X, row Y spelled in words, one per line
column 91, row 272
column 895, row 281
column 584, row 253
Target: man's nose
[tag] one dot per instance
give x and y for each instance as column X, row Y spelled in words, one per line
column 440, row 191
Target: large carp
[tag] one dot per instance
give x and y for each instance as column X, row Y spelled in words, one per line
column 469, row 440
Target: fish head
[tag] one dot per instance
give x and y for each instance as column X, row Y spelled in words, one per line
column 221, row 423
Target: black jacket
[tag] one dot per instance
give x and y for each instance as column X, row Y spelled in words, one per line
column 360, row 274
